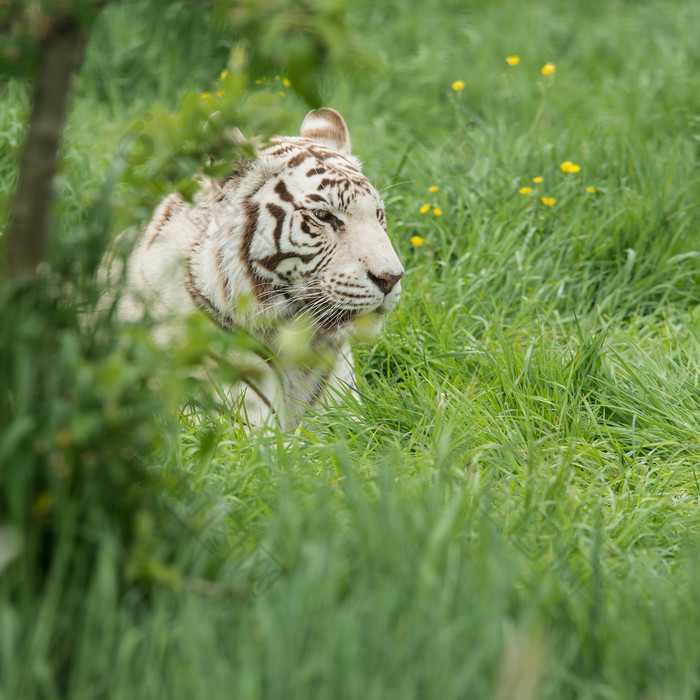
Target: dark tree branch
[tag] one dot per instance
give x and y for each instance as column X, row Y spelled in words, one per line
column 61, row 56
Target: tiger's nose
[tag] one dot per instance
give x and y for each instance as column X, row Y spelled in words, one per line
column 386, row 281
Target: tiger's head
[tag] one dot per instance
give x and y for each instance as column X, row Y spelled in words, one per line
column 313, row 230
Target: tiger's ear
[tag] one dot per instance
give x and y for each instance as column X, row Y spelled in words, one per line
column 326, row 126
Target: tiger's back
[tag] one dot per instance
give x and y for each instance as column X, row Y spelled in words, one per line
column 297, row 234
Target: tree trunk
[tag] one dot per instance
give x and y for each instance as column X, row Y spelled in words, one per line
column 61, row 56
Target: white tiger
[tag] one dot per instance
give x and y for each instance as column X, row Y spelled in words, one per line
column 300, row 232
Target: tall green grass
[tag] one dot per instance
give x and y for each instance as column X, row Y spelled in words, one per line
column 512, row 510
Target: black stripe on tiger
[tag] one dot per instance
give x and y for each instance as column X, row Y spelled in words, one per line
column 170, row 207
column 280, row 216
column 283, row 192
column 306, row 228
column 272, row 262
column 222, row 320
column 251, row 214
column 259, row 394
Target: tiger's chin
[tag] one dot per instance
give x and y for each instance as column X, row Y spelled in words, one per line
column 352, row 324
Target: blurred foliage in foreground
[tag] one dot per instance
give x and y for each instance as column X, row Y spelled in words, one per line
column 87, row 409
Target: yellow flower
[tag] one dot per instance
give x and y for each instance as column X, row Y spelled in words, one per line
column 537, row 179
column 204, row 95
column 224, row 73
column 512, row 60
column 286, row 82
column 425, row 208
column 548, row 201
column 458, row 85
column 548, row 69
column 42, row 505
column 220, row 93
column 417, row 240
column 437, row 212
column 592, row 190
column 568, row 167
column 433, row 188
column 525, row 190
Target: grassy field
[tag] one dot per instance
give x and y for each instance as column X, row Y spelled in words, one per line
column 513, row 511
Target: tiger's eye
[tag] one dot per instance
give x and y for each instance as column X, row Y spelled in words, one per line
column 326, row 217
